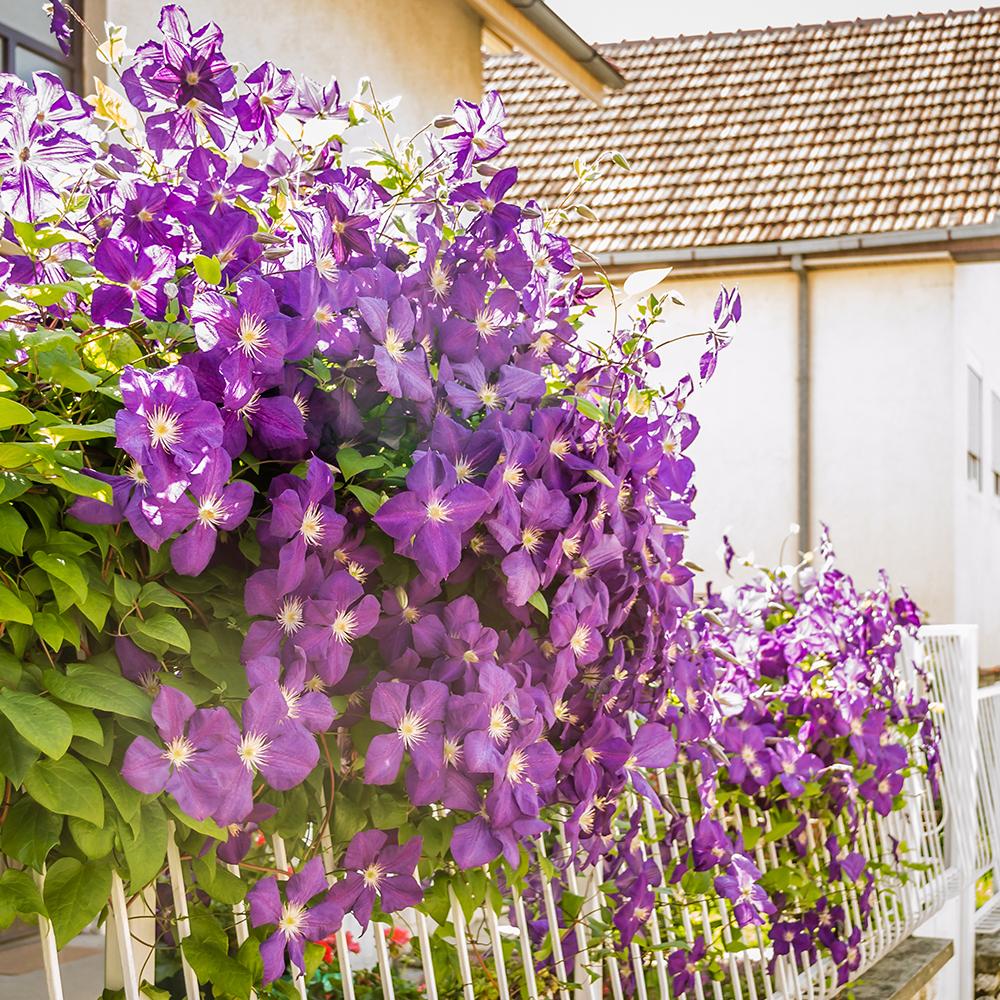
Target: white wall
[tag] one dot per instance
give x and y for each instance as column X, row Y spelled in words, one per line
column 976, row 568
column 426, row 50
column 883, row 413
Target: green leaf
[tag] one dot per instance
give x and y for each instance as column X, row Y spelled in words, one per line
column 127, row 800
column 207, row 950
column 95, row 608
column 66, row 786
column 145, row 849
column 95, row 841
column 86, row 725
column 50, row 628
column 13, row 609
column 62, row 568
column 41, row 723
column 12, row 486
column 226, row 887
column 12, row 530
column 12, row 413
column 74, row 894
column 57, row 433
column 537, row 600
column 209, row 269
column 91, row 686
column 368, row 499
column 10, row 670
column 16, row 754
column 126, row 591
column 352, row 462
column 29, row 832
column 205, row 826
column 18, row 887
column 163, row 628
column 154, row 593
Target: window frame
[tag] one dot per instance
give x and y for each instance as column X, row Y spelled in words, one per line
column 11, row 39
column 974, row 460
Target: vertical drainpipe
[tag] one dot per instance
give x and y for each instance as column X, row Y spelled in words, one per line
column 803, row 384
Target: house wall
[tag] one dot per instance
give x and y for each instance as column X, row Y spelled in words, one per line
column 888, row 459
column 976, row 325
column 426, row 50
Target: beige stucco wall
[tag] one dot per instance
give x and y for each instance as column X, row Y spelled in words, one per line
column 884, row 413
column 426, row 50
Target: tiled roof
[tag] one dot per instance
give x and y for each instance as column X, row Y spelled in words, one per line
column 839, row 129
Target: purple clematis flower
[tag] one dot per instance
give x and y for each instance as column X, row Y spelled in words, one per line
column 339, row 613
column 59, row 25
column 296, row 922
column 376, row 868
column 683, row 965
column 305, row 706
column 239, row 842
column 303, row 520
column 479, row 133
column 428, row 520
column 219, row 506
column 166, row 427
column 274, row 743
column 33, row 159
column 140, row 276
column 198, row 763
column 794, row 766
column 416, row 714
column 270, row 91
column 284, row 612
column 250, row 334
column 882, row 788
column 350, row 229
column 846, row 955
column 741, row 887
column 137, row 665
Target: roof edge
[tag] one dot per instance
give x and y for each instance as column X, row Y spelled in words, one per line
column 797, row 248
column 538, row 31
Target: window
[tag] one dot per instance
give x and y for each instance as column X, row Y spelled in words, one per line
column 27, row 47
column 995, row 441
column 974, row 456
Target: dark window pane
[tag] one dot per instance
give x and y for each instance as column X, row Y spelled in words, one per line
column 27, row 62
column 26, row 16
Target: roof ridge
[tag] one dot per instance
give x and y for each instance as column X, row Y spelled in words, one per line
column 795, row 28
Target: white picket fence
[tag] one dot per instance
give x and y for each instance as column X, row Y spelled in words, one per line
column 950, row 840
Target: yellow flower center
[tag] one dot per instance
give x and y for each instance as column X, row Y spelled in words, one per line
column 252, row 750
column 500, row 723
column 179, row 751
column 484, row 324
column 292, row 918
column 345, row 626
column 394, row 345
column 439, row 511
column 210, row 511
column 373, row 875
column 580, row 639
column 513, row 474
column 440, row 280
column 313, row 528
column 252, row 335
column 517, row 765
column 490, row 396
column 164, row 427
column 412, row 729
column 289, row 615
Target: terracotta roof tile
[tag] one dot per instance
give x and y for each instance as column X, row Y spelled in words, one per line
column 783, row 133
